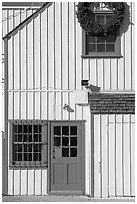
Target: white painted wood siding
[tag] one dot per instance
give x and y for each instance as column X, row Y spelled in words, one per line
column 45, row 70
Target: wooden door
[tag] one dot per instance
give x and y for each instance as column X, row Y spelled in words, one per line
column 66, row 158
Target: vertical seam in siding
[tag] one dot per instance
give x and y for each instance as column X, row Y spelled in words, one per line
column 108, row 149
column 13, row 83
column 131, row 48
column 123, row 154
column 75, row 44
column 100, row 155
column 47, row 49
column 124, row 60
column 89, row 69
column 82, row 71
column 54, row 47
column 26, row 54
column 69, row 104
column 40, row 55
column 13, row 181
column 115, row 161
column 130, row 154
column 68, row 45
column 7, row 21
column 96, row 72
column 20, row 93
column 40, row 104
column 47, row 105
column 61, row 105
column 117, row 75
column 61, row 38
column 103, row 75
column 54, row 105
column 34, row 182
column 41, row 182
column 110, row 76
column 33, row 59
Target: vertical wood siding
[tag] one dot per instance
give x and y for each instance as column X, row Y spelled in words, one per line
column 45, row 70
column 114, row 141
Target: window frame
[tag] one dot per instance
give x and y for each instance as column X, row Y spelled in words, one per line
column 44, row 152
column 117, row 46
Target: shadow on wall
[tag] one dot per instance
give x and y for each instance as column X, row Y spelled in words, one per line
column 126, row 20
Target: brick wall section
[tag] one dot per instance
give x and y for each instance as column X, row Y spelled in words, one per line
column 102, row 103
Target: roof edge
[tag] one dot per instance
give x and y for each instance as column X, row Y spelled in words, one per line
column 26, row 21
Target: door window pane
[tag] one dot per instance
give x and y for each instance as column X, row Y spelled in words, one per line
column 57, row 130
column 57, row 141
column 65, row 130
column 73, row 130
column 65, row 152
column 73, row 152
column 73, row 141
column 65, row 141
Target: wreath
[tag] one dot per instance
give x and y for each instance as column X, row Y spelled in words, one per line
column 86, row 17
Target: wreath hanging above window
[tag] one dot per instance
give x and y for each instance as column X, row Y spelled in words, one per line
column 86, row 17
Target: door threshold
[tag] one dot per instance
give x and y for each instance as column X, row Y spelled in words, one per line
column 66, row 193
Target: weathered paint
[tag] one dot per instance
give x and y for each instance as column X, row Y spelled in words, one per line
column 45, row 70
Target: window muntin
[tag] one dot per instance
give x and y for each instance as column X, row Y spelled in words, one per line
column 101, row 45
column 28, row 144
column 65, row 141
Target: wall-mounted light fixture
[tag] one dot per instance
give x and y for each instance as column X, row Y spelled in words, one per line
column 68, row 108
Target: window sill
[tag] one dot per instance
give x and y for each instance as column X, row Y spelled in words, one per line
column 101, row 56
column 28, row 166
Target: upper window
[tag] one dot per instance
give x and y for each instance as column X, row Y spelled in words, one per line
column 101, row 46
column 28, row 144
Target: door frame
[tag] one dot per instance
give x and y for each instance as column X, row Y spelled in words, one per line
column 82, row 192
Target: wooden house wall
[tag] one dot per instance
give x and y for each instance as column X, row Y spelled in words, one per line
column 45, row 70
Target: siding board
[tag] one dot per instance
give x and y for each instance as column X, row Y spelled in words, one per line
column 118, row 155
column 37, row 52
column 16, row 182
column 44, row 44
column 65, row 45
column 111, row 156
column 132, row 155
column 57, row 46
column 23, row 105
column 71, row 47
column 37, row 182
column 104, row 157
column 23, row 58
column 30, row 182
column 126, row 157
column 93, row 71
column 30, row 55
column 97, row 192
column 23, row 183
column 44, row 182
column 30, row 105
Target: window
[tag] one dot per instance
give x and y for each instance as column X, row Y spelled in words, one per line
column 65, row 141
column 101, row 46
column 28, row 143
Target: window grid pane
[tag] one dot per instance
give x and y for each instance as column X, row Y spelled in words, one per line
column 26, row 143
column 65, row 145
column 101, row 44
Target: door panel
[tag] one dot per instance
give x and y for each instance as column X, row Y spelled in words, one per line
column 66, row 157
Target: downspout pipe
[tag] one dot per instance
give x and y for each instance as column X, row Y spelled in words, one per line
column 5, row 151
